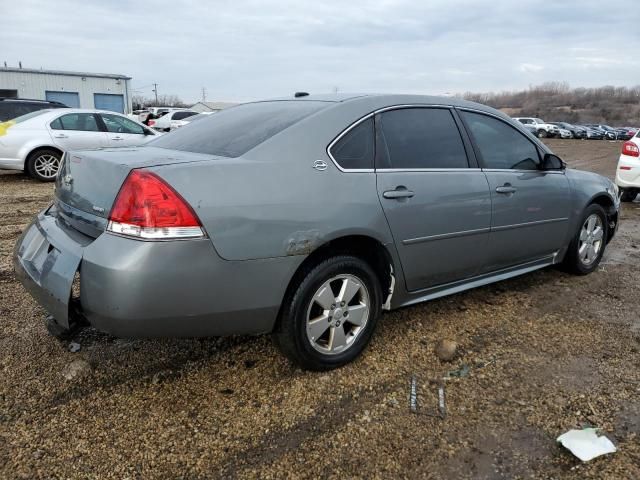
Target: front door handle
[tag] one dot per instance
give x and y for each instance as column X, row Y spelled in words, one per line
column 117, row 138
column 399, row 192
column 506, row 188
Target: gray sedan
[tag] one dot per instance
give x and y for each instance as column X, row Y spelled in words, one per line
column 306, row 218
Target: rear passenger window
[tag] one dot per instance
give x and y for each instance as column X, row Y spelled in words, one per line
column 85, row 122
column 355, row 149
column 422, row 138
column 501, row 146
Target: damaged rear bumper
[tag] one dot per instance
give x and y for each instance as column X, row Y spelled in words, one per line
column 133, row 288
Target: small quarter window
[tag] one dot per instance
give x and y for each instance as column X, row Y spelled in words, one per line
column 355, row 149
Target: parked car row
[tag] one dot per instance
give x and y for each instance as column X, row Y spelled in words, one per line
column 163, row 119
column 590, row 131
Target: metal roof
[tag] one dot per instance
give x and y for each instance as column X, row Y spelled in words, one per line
column 61, row 72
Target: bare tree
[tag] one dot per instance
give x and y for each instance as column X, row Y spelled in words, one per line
column 557, row 101
column 140, row 101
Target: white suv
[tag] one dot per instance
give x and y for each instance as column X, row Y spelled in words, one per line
column 628, row 171
column 543, row 129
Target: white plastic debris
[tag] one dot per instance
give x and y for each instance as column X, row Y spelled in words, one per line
column 586, row 444
column 413, row 395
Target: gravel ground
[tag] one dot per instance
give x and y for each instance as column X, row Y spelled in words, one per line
column 547, row 352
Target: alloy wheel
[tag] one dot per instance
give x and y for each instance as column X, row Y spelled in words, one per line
column 337, row 314
column 591, row 239
column 47, row 166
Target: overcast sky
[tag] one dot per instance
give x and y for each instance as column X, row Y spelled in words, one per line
column 248, row 49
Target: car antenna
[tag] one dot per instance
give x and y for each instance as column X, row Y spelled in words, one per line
column 301, row 94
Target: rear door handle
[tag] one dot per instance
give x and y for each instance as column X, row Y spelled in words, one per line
column 61, row 135
column 506, row 188
column 399, row 192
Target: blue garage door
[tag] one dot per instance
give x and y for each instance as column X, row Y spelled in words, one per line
column 109, row 101
column 70, row 99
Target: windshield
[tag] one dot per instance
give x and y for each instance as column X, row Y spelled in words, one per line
column 236, row 130
column 538, row 120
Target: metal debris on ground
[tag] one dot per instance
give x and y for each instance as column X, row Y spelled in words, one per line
column 463, row 371
column 413, row 395
column 442, row 408
column 586, row 444
column 74, row 347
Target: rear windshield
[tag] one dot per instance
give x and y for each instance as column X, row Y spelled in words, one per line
column 28, row 116
column 235, row 131
column 10, row 110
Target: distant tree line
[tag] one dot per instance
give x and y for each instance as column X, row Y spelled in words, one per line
column 557, row 101
column 139, row 101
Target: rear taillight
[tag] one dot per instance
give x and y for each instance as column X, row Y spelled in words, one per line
column 147, row 207
column 630, row 149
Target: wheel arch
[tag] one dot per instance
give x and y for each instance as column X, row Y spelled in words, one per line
column 369, row 249
column 34, row 150
column 607, row 203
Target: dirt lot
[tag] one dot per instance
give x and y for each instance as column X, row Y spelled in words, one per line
column 547, row 352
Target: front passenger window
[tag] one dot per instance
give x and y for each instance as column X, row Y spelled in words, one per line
column 501, row 146
column 118, row 124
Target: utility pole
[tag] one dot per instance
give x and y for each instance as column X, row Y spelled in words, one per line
column 204, row 94
column 155, row 90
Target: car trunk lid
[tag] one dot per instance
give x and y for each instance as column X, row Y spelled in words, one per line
column 89, row 181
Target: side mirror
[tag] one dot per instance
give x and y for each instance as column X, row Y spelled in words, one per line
column 552, row 162
column 148, row 131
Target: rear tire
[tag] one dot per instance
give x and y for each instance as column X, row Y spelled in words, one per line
column 44, row 165
column 628, row 194
column 587, row 247
column 330, row 316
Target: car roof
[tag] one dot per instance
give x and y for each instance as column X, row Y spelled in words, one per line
column 381, row 100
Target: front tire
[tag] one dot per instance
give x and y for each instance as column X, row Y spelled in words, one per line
column 328, row 320
column 542, row 133
column 44, row 165
column 587, row 247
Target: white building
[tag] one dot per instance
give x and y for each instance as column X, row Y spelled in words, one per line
column 201, row 107
column 75, row 89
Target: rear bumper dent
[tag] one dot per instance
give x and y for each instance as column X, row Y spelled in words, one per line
column 134, row 288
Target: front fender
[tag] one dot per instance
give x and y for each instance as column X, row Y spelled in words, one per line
column 587, row 188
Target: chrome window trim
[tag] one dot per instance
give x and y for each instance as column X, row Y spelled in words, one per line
column 434, row 170
column 366, row 117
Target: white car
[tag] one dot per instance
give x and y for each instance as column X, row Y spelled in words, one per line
column 172, row 120
column 544, row 129
column 628, row 171
column 35, row 142
column 564, row 133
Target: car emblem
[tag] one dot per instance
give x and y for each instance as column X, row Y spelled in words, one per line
column 97, row 209
column 320, row 165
